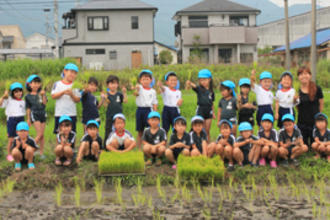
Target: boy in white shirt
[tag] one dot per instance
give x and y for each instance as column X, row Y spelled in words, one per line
column 66, row 98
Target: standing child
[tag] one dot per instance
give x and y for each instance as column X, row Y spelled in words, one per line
column 264, row 94
column 91, row 143
column 171, row 98
column 247, row 147
column 15, row 112
column 36, row 101
column 291, row 141
column 198, row 138
column 154, row 140
column 146, row 101
column 245, row 106
column 224, row 144
column 114, row 101
column 66, row 138
column 205, row 98
column 285, row 98
column 23, row 147
column 90, row 105
column 120, row 140
column 180, row 141
column 321, row 135
column 269, row 141
column 65, row 97
column 227, row 105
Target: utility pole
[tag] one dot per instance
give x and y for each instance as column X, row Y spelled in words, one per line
column 287, row 36
column 313, row 43
column 77, row 2
column 56, row 29
column 46, row 10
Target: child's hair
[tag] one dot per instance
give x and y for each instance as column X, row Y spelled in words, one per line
column 66, row 124
column 28, row 87
column 93, row 80
column 222, row 87
column 112, row 79
column 195, row 123
column 91, row 126
column 312, row 86
column 225, row 125
column 169, row 74
column 180, row 121
column 210, row 85
column 145, row 74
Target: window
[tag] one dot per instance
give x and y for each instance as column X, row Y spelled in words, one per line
column 98, row 23
column 198, row 21
column 135, row 22
column 225, row 55
column 246, row 57
column 239, row 21
column 95, row 51
column 113, row 54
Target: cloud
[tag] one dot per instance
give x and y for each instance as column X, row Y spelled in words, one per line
column 323, row 3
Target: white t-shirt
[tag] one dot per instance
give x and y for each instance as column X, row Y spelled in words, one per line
column 146, row 97
column 286, row 98
column 171, row 97
column 264, row 97
column 114, row 135
column 65, row 104
column 14, row 107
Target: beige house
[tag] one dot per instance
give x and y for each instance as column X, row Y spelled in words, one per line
column 11, row 37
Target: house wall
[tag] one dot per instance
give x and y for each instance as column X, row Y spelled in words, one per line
column 38, row 41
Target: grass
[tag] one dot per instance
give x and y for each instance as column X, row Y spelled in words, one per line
column 200, row 168
column 113, row 162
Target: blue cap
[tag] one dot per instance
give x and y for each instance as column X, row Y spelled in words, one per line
column 179, row 117
column 22, row 126
column 32, row 77
column 145, row 71
column 153, row 114
column 64, row 118
column 225, row 121
column 16, row 85
column 171, row 73
column 321, row 116
column 71, row 66
column 204, row 73
column 286, row 73
column 119, row 115
column 230, row 85
column 267, row 117
column 245, row 126
column 93, row 122
column 265, row 75
column 197, row 118
column 244, row 81
column 288, row 117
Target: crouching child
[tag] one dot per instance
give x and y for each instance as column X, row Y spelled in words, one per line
column 198, row 137
column 321, row 135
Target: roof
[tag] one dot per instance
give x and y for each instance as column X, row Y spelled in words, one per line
column 25, row 51
column 322, row 36
column 167, row 46
column 218, row 6
column 36, row 34
column 11, row 30
column 114, row 5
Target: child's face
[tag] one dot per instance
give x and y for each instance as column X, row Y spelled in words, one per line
column 267, row 125
column 321, row 124
column 180, row 128
column 172, row 81
column 119, row 124
column 197, row 127
column 304, row 77
column 286, row 82
column 70, row 75
column 205, row 82
column 92, row 131
column 18, row 93
column 35, row 85
column 92, row 87
column 154, row 122
column 225, row 92
column 22, row 134
column 65, row 128
column 246, row 134
column 245, row 90
column 266, row 83
column 225, row 130
column 145, row 81
column 288, row 126
column 113, row 86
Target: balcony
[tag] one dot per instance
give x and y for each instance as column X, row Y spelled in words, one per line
column 68, row 33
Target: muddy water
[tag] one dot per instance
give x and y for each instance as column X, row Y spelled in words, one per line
column 181, row 203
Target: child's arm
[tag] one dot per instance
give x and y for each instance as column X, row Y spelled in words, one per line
column 219, row 115
column 124, row 90
column 5, row 96
column 160, row 88
column 321, row 101
column 240, row 144
column 204, row 146
column 43, row 97
column 253, row 78
column 73, row 96
column 136, row 90
column 277, row 106
column 58, row 95
column 28, row 116
column 102, row 101
column 190, row 84
column 239, row 102
column 176, row 145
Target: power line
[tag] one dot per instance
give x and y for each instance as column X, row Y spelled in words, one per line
column 40, row 2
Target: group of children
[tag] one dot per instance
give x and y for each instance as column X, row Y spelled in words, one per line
column 268, row 145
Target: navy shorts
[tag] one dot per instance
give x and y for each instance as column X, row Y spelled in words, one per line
column 168, row 116
column 281, row 112
column 205, row 111
column 246, row 117
column 11, row 125
column 246, row 151
column 74, row 121
column 177, row 152
column 142, row 118
column 38, row 116
column 263, row 109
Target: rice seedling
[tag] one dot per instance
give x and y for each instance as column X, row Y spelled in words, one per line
column 156, row 215
column 139, row 198
column 206, row 213
column 160, row 191
column 185, row 193
column 98, row 187
column 220, row 206
column 77, row 194
column 150, row 205
column 119, row 191
column 58, row 195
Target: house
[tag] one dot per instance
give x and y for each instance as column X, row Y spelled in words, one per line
column 110, row 34
column 273, row 34
column 159, row 47
column 300, row 48
column 218, row 31
column 11, row 37
column 38, row 40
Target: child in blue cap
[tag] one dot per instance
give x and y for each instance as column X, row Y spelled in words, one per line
column 321, row 135
column 15, row 111
column 23, row 147
column 245, row 105
column 264, row 94
column 205, row 97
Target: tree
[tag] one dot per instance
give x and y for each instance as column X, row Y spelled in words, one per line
column 165, row 57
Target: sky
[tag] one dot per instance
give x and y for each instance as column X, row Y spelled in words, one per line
column 323, row 3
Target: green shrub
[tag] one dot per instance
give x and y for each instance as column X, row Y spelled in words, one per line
column 165, row 57
column 113, row 162
column 200, row 168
